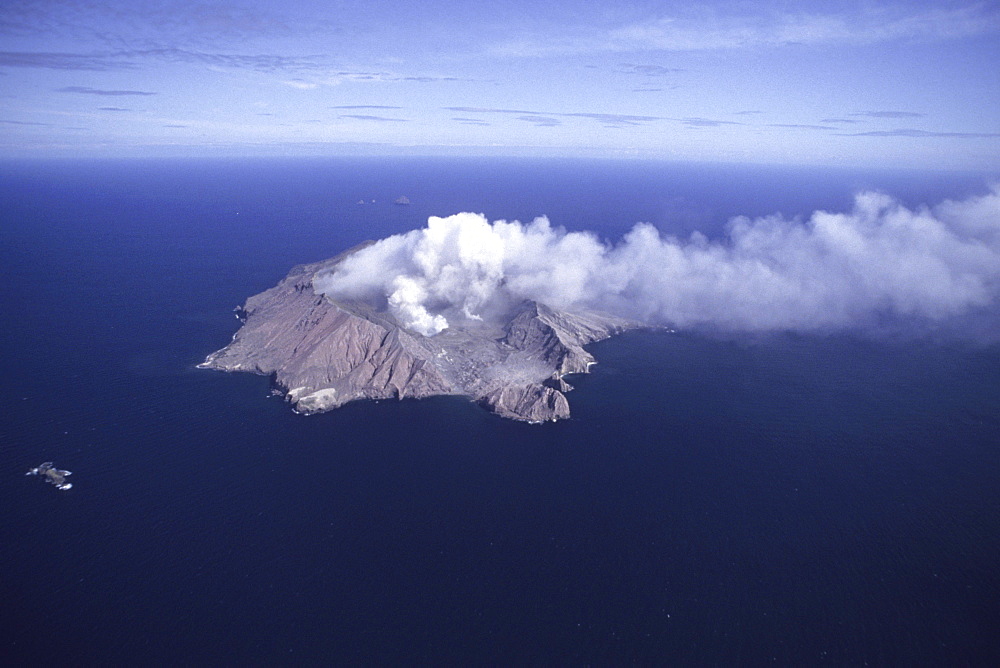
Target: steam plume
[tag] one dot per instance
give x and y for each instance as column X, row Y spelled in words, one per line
column 833, row 270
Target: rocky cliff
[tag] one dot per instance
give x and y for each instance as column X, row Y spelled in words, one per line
column 323, row 352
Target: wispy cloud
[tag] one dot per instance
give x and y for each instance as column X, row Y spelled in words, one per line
column 888, row 114
column 264, row 62
column 704, row 29
column 63, row 61
column 86, row 90
column 541, row 121
column 112, row 109
column 301, row 84
column 909, row 132
column 25, row 123
column 135, row 58
column 380, row 119
column 492, row 110
column 800, row 126
column 361, row 76
column 426, row 79
column 839, row 120
column 696, row 122
column 749, row 112
column 188, row 21
column 319, row 68
column 364, row 106
column 647, row 70
column 610, row 120
column 470, row 121
column 616, row 119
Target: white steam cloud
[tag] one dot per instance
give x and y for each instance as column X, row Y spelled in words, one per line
column 833, row 270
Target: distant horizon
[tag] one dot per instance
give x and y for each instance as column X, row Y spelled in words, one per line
column 989, row 173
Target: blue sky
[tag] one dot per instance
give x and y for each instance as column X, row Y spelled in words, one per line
column 911, row 84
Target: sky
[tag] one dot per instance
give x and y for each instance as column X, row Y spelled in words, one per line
column 897, row 84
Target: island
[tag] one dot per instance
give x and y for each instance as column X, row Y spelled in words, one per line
column 52, row 475
column 323, row 352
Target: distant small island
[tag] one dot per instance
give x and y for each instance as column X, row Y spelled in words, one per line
column 324, row 352
column 50, row 474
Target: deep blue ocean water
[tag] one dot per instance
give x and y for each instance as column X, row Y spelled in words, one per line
column 714, row 500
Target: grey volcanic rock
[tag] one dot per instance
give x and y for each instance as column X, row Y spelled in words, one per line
column 324, row 353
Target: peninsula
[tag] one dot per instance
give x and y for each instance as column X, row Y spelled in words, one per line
column 323, row 352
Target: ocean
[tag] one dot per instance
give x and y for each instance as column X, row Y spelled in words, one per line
column 716, row 499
